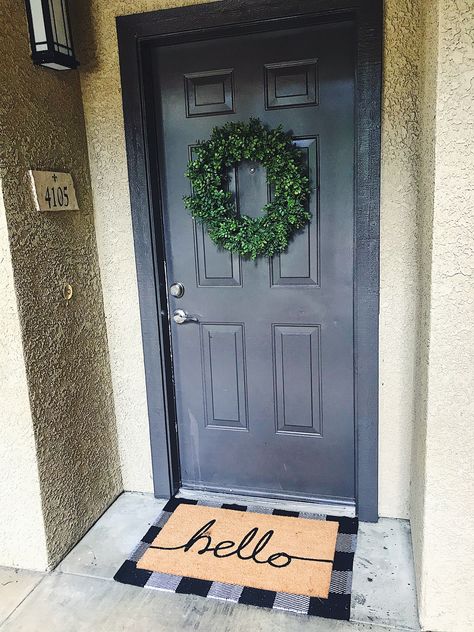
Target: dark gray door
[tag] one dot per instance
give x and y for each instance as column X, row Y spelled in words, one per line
column 264, row 376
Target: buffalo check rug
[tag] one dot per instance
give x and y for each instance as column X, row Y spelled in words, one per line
column 286, row 560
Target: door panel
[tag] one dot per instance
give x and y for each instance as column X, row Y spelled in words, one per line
column 214, row 266
column 264, row 376
column 223, row 371
column 297, row 361
column 300, row 264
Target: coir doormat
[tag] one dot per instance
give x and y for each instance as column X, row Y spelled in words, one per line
column 286, row 560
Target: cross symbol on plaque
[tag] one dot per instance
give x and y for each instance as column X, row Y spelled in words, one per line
column 55, row 177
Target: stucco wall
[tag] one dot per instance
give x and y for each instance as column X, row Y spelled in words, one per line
column 426, row 166
column 100, row 83
column 398, row 252
column 65, row 346
column 19, row 479
column 443, row 481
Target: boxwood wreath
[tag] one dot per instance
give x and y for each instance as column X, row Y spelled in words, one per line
column 213, row 204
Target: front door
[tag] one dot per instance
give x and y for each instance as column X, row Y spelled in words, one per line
column 264, row 372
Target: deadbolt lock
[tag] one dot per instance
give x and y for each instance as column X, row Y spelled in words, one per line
column 177, row 290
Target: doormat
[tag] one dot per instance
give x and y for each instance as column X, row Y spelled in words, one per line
column 272, row 558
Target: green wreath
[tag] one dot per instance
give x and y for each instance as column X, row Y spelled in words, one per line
column 212, row 204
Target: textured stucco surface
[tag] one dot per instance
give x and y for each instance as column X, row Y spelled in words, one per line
column 398, row 248
column 443, row 480
column 65, row 346
column 19, row 479
column 426, row 167
column 100, row 83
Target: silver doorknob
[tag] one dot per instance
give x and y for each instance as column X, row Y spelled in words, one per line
column 180, row 317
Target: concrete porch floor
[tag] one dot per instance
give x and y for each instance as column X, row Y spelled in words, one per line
column 80, row 594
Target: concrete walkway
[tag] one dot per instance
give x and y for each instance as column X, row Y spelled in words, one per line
column 80, row 595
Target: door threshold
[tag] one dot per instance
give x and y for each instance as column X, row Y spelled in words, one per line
column 312, row 507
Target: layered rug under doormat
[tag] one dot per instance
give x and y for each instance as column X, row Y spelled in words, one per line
column 272, row 558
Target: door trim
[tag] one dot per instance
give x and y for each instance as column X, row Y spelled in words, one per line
column 136, row 34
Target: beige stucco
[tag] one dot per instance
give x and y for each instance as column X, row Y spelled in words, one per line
column 68, row 435
column 443, row 467
column 398, row 252
column 19, row 479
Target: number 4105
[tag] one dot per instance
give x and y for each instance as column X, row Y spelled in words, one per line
column 57, row 197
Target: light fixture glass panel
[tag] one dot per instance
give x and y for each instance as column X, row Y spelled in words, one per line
column 38, row 23
column 58, row 19
column 68, row 39
column 56, row 66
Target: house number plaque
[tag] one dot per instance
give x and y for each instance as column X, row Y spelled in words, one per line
column 53, row 191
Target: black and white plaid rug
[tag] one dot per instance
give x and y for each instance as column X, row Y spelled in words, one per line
column 336, row 606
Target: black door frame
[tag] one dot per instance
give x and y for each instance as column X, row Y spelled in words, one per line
column 136, row 34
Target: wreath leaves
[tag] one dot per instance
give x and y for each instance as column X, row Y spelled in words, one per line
column 214, row 206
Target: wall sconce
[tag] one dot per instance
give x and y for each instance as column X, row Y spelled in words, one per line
column 50, row 34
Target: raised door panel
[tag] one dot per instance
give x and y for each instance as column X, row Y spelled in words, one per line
column 215, row 267
column 297, row 375
column 300, row 264
column 223, row 370
column 291, row 84
column 209, row 93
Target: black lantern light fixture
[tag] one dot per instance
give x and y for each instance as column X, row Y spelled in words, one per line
column 50, row 34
